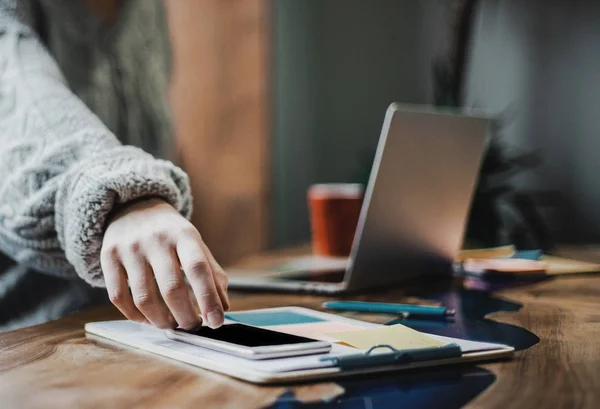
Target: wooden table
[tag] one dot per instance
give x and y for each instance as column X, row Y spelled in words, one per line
column 55, row 366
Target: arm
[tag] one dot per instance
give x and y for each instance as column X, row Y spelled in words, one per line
column 61, row 170
column 62, row 173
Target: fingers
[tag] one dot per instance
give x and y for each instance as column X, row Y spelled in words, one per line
column 222, row 290
column 144, row 292
column 149, row 260
column 173, row 287
column 117, row 287
column 220, row 277
column 198, row 270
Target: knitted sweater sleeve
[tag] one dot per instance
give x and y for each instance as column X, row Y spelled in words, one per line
column 61, row 170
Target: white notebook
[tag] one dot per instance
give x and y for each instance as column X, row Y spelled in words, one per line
column 307, row 322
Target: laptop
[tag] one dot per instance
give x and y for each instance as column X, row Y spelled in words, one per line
column 414, row 211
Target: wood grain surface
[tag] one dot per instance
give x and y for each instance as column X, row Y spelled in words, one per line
column 55, row 366
column 220, row 97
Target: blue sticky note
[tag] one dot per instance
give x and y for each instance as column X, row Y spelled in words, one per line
column 528, row 254
column 268, row 318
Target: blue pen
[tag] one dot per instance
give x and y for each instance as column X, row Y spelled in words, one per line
column 385, row 308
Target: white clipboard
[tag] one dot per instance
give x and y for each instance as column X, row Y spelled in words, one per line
column 283, row 370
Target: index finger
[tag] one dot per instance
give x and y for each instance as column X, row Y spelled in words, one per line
column 197, row 268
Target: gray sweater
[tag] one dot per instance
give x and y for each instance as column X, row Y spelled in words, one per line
column 68, row 85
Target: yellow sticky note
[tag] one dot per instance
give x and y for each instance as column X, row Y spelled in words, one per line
column 397, row 336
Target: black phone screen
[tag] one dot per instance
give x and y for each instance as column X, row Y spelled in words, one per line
column 247, row 336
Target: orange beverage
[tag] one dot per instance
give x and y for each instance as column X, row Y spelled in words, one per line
column 334, row 211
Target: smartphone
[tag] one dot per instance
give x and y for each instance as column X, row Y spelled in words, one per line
column 249, row 342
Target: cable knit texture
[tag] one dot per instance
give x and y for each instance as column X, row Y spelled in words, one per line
column 62, row 170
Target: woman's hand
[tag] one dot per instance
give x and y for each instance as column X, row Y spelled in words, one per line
column 150, row 246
